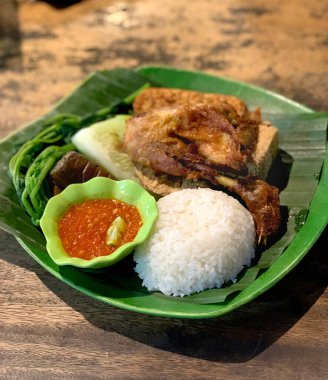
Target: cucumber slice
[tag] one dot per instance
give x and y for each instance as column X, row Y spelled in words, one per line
column 102, row 143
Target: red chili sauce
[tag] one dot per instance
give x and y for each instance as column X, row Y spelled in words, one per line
column 84, row 227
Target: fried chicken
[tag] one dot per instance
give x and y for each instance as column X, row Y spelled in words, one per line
column 203, row 143
column 171, row 140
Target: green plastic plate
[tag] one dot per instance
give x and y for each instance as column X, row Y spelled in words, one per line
column 105, row 287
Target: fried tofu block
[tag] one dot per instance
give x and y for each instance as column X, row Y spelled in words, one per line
column 266, row 149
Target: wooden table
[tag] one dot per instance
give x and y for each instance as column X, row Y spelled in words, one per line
column 50, row 331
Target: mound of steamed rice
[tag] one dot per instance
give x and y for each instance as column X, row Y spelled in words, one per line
column 202, row 239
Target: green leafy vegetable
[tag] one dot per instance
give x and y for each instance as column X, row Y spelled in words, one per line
column 30, row 166
column 34, row 197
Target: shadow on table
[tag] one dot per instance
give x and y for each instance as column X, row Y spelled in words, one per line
column 236, row 337
column 10, row 39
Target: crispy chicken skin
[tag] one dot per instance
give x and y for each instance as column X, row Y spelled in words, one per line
column 174, row 140
column 155, row 97
column 262, row 201
column 200, row 143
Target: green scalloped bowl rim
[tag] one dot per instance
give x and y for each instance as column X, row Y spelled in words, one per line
column 97, row 188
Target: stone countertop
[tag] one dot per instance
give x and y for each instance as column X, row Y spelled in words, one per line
column 49, row 330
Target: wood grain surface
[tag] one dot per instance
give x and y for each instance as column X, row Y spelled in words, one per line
column 50, row 331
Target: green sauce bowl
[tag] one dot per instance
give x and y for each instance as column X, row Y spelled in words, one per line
column 97, row 188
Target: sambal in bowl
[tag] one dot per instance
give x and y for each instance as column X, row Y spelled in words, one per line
column 97, row 223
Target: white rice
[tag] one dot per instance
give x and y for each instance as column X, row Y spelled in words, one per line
column 202, row 239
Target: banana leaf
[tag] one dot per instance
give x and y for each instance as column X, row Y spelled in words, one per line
column 297, row 171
